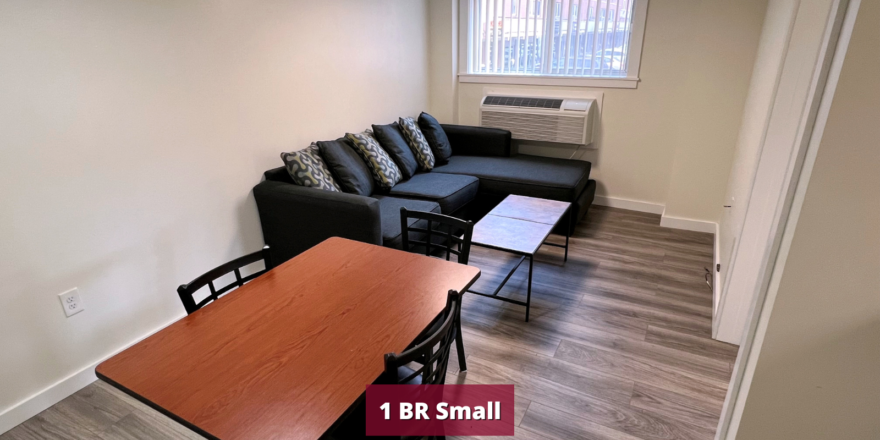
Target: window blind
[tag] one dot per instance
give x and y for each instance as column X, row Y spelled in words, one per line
column 579, row 38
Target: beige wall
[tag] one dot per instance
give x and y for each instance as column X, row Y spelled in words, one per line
column 132, row 133
column 818, row 373
column 442, row 59
column 671, row 140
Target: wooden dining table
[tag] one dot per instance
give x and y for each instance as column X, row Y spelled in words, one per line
column 286, row 355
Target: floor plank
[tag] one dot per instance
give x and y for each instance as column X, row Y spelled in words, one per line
column 563, row 426
column 594, row 383
column 691, row 343
column 620, row 417
column 677, row 406
column 50, row 424
column 645, row 371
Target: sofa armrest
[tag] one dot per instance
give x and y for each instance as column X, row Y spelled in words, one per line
column 295, row 218
column 478, row 141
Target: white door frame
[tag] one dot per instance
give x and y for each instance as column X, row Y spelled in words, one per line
column 788, row 127
column 726, row 312
column 795, row 179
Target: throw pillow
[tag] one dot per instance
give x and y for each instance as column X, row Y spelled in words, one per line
column 384, row 170
column 392, row 141
column 306, row 168
column 436, row 137
column 417, row 143
column 347, row 167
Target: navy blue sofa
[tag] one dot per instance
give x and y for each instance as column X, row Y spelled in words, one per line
column 482, row 171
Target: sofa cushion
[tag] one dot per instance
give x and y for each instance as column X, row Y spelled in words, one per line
column 417, row 143
column 383, row 169
column 436, row 138
column 478, row 141
column 389, row 211
column 348, row 168
column 451, row 191
column 306, row 168
column 392, row 141
column 534, row 176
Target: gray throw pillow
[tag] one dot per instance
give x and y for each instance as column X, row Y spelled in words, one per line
column 306, row 168
column 347, row 167
column 436, row 137
column 417, row 142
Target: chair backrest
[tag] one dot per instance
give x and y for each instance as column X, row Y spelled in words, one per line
column 431, row 354
column 186, row 291
column 439, row 234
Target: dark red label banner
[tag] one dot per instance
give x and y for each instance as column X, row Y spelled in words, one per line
column 417, row 410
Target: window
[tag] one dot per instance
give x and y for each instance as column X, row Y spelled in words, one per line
column 604, row 42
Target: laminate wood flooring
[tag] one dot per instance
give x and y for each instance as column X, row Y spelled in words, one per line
column 618, row 345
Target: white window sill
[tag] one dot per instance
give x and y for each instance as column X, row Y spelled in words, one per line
column 549, row 80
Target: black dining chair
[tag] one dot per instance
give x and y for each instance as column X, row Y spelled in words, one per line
column 187, row 291
column 422, row 364
column 430, row 354
column 438, row 234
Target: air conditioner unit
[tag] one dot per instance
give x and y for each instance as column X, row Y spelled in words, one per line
column 561, row 120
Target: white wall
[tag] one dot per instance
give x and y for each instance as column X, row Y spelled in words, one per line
column 670, row 141
column 817, row 375
column 132, row 133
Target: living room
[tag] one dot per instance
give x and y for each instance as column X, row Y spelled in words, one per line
column 636, row 267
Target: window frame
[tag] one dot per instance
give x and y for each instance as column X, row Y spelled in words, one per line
column 466, row 29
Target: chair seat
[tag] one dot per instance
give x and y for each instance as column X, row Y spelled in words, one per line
column 533, row 176
column 451, row 191
column 402, row 372
column 389, row 211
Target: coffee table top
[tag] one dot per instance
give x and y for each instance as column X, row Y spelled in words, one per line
column 519, row 224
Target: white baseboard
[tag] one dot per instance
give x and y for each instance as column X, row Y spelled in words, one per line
column 55, row 393
column 632, row 205
column 37, row 403
column 655, row 208
column 687, row 224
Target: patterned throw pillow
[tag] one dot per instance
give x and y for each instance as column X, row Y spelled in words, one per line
column 385, row 172
column 417, row 142
column 306, row 168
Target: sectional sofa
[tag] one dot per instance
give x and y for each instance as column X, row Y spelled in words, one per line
column 482, row 170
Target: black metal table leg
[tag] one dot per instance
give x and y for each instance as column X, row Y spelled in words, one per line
column 568, row 230
column 529, row 291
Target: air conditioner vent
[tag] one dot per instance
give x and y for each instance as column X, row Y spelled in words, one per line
column 536, row 118
column 538, row 127
column 523, row 102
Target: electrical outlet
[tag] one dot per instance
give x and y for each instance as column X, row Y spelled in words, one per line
column 72, row 302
